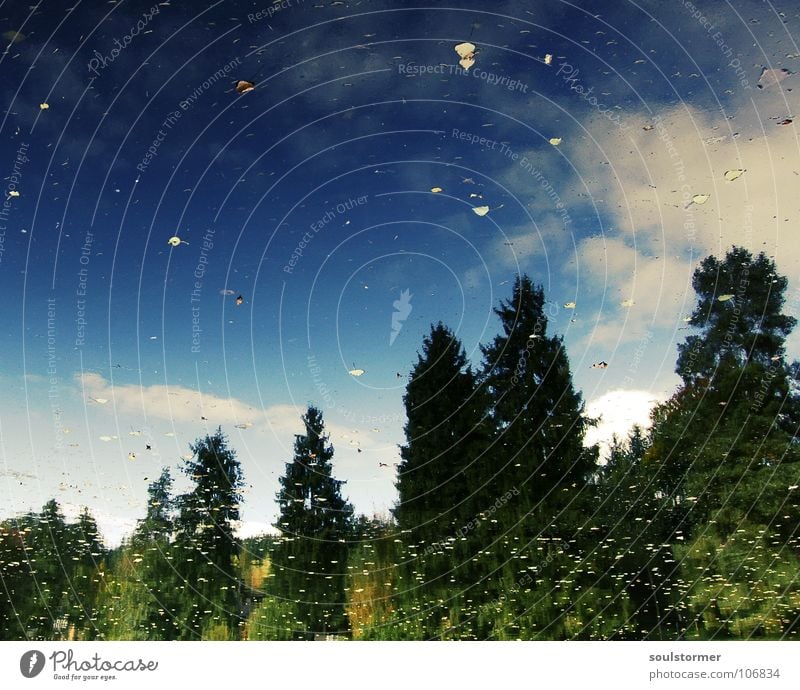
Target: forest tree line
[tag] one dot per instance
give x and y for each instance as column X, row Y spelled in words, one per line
column 506, row 526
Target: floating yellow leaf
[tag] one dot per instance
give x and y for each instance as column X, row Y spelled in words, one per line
column 356, row 372
column 724, row 298
column 732, row 175
column 548, row 59
column 465, row 49
column 436, row 190
column 569, row 305
column 555, row 141
column 480, row 210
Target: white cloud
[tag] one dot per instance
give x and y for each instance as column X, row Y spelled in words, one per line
column 654, row 242
column 619, row 410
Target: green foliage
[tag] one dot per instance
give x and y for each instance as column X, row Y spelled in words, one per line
column 205, row 548
column 506, row 527
column 276, row 620
column 309, row 560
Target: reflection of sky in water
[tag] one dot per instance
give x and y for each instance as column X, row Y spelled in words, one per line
column 606, row 174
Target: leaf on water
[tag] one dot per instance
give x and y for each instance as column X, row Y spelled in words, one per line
column 465, row 49
column 480, row 210
column 569, row 305
column 735, row 174
column 698, row 199
column 771, row 77
column 555, row 141
column 466, row 63
column 548, row 59
column 436, row 190
column 724, row 298
column 356, row 372
column 243, row 86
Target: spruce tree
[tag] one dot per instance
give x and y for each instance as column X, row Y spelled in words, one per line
column 445, row 481
column 443, row 462
column 206, row 546
column 86, row 557
column 539, row 426
column 148, row 585
column 310, row 560
column 536, row 410
column 49, row 557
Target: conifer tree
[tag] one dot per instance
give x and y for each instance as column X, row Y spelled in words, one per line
column 445, row 480
column 206, row 546
column 149, row 588
column 47, row 547
column 86, row 554
column 443, row 461
column 310, row 560
column 537, row 412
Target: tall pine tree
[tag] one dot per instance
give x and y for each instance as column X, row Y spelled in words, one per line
column 445, row 482
column 206, row 546
column 539, row 424
column 310, row 560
